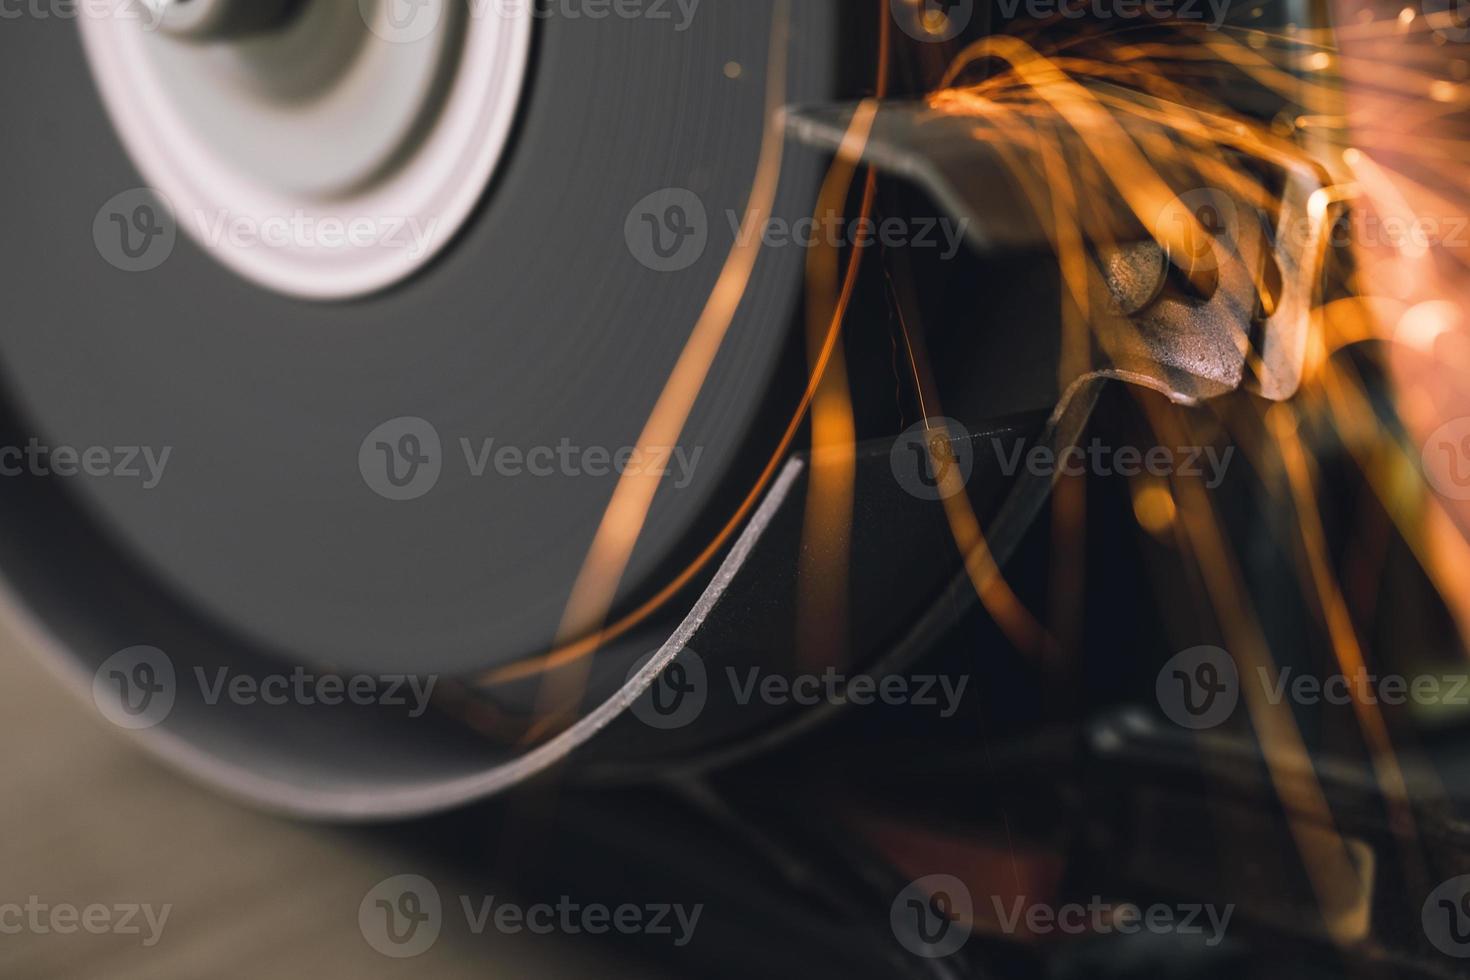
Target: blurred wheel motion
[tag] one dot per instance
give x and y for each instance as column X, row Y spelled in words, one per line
column 895, row 488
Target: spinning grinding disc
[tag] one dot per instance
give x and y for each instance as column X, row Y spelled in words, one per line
column 332, row 494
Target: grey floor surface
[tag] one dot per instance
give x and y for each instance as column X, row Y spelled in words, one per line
column 88, row 820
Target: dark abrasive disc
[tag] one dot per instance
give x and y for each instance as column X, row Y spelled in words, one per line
column 537, row 327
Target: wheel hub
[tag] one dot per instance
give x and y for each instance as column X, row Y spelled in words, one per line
column 320, row 149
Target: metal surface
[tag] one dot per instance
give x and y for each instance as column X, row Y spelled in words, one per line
column 1135, row 275
column 1301, row 230
column 1190, row 342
